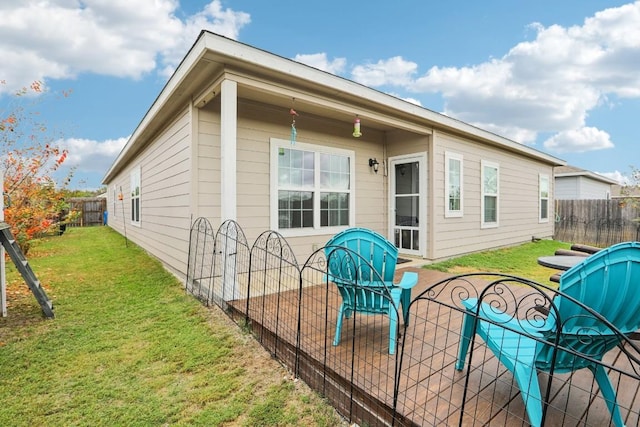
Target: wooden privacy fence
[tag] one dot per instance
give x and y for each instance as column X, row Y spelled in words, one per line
column 596, row 222
column 92, row 211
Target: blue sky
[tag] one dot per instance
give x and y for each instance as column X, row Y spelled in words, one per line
column 560, row 76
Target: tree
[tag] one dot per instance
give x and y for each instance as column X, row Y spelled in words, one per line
column 630, row 190
column 34, row 201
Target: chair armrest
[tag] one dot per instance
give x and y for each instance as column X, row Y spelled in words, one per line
column 409, row 280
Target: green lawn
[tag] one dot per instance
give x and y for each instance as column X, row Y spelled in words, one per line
column 129, row 347
column 518, row 260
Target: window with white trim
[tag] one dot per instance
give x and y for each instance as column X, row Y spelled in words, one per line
column 135, row 196
column 453, row 183
column 543, row 188
column 312, row 188
column 490, row 177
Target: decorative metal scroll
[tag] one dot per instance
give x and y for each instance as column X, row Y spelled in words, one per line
column 474, row 388
column 292, row 310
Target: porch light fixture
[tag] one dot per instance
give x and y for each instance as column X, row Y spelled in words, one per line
column 356, row 128
column 373, row 163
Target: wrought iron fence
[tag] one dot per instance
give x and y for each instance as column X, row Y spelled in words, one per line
column 218, row 267
column 443, row 387
column 292, row 310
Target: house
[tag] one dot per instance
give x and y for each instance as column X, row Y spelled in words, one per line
column 572, row 183
column 240, row 133
column 623, row 192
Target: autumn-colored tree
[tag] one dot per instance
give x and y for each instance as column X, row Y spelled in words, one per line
column 33, row 200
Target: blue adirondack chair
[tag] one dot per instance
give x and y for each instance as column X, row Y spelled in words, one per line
column 607, row 282
column 362, row 264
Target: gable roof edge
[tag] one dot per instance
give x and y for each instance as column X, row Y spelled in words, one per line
column 229, row 49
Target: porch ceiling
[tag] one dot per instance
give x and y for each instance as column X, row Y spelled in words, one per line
column 267, row 86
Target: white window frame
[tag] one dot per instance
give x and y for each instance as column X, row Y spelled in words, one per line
column 487, row 164
column 448, row 212
column 275, row 145
column 541, row 197
column 136, row 181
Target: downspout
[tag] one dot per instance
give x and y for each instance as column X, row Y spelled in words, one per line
column 431, row 227
column 385, row 185
column 194, row 153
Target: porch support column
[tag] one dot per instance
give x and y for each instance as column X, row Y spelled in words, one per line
column 228, row 145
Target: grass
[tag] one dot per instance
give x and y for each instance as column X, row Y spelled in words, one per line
column 129, row 347
column 518, row 260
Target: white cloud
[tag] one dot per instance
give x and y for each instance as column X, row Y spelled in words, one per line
column 88, row 155
column 122, row 38
column 214, row 18
column 616, row 176
column 519, row 134
column 412, row 100
column 546, row 85
column 393, row 71
column 321, row 62
column 579, row 140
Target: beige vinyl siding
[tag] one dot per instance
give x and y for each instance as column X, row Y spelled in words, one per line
column 400, row 143
column 257, row 124
column 517, row 206
column 164, row 204
column 208, row 173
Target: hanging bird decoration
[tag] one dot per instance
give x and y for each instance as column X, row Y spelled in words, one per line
column 356, row 128
column 294, row 132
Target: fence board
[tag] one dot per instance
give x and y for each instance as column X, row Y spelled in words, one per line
column 91, row 208
column 596, row 222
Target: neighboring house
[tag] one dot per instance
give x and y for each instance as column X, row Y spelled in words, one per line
column 573, row 183
column 621, row 192
column 217, row 143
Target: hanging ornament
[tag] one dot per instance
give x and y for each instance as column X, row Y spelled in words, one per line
column 294, row 131
column 356, row 128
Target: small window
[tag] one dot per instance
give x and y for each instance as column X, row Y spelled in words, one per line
column 490, row 194
column 135, row 196
column 312, row 186
column 453, row 180
column 544, row 197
